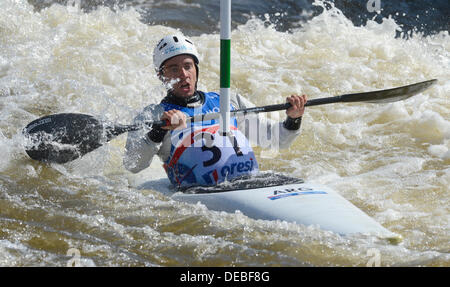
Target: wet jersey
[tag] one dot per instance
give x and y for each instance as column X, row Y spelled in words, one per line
column 201, row 155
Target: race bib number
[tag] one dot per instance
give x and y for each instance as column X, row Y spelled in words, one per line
column 202, row 156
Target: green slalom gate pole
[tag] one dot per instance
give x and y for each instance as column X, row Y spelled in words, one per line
column 225, row 63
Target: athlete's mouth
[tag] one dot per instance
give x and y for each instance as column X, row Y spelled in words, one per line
column 186, row 86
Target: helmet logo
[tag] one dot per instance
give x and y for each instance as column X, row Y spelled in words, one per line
column 174, row 49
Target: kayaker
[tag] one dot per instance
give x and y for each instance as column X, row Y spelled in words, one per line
column 198, row 154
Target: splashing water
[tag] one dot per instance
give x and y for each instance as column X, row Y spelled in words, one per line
column 390, row 160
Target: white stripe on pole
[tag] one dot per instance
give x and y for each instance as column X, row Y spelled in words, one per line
column 225, row 19
column 225, row 36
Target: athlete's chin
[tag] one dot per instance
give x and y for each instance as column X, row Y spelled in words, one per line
column 183, row 93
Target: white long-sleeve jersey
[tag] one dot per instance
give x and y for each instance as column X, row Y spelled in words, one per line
column 259, row 130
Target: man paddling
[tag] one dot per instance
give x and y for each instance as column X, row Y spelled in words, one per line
column 196, row 153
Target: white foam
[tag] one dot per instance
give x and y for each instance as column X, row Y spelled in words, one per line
column 62, row 59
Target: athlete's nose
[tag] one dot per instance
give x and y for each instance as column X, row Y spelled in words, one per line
column 184, row 73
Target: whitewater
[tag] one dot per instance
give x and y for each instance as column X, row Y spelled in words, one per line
column 390, row 160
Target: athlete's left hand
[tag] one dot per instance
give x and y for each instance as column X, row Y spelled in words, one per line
column 298, row 106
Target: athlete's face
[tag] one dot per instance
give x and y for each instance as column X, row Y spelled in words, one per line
column 180, row 74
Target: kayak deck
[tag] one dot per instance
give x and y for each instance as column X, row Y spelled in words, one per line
column 279, row 197
column 244, row 183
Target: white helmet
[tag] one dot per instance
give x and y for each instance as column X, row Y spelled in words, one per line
column 171, row 46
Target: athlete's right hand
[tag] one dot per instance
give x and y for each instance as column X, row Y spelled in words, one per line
column 175, row 118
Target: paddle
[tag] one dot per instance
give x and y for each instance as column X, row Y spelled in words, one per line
column 61, row 138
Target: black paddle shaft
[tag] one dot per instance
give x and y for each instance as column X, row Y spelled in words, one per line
column 377, row 97
column 61, row 138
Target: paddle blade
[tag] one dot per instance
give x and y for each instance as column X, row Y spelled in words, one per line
column 390, row 95
column 62, row 138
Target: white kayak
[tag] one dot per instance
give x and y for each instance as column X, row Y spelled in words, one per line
column 285, row 199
